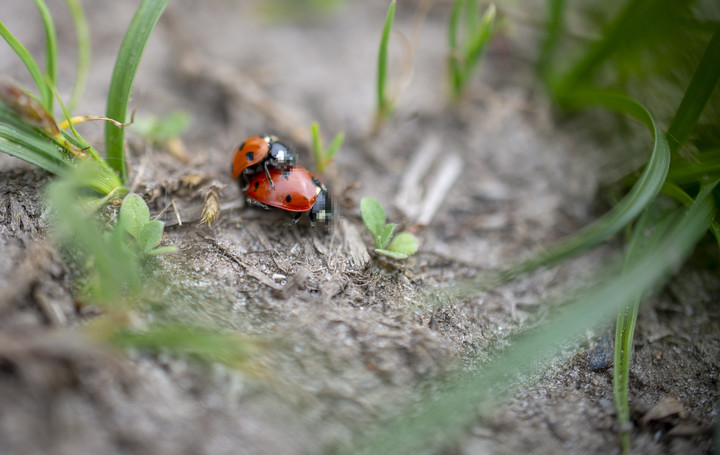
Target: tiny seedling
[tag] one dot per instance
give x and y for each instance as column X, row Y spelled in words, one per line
column 135, row 219
column 465, row 57
column 401, row 247
column 324, row 156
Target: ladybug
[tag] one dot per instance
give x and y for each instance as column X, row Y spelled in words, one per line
column 296, row 190
column 260, row 152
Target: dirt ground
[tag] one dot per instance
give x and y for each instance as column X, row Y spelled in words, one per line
column 345, row 338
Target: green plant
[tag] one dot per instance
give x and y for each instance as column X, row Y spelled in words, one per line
column 324, row 156
column 385, row 105
column 146, row 234
column 27, row 124
column 477, row 34
column 654, row 61
column 401, row 247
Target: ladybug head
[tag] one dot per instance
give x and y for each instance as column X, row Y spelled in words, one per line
column 280, row 156
column 322, row 210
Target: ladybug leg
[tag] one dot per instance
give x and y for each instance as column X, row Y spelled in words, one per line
column 267, row 172
column 245, row 182
column 295, row 219
column 257, row 204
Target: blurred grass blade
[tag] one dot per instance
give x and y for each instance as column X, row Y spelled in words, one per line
column 438, row 419
column 19, row 49
column 478, row 42
column 51, row 49
column 627, row 316
column 456, row 54
column 708, row 164
column 697, row 94
column 126, row 65
column 384, row 105
column 82, row 31
column 640, row 196
column 622, row 30
column 553, row 29
column 203, row 344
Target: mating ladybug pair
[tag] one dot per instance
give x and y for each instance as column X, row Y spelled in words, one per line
column 266, row 170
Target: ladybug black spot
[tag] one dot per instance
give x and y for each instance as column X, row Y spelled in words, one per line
column 288, row 198
column 257, row 184
column 250, row 156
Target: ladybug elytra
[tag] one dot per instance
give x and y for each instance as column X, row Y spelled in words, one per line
column 295, row 190
column 261, row 152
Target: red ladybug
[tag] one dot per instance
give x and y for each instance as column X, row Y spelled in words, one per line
column 296, row 190
column 257, row 153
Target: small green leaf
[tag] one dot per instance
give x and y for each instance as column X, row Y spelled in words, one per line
column 404, row 243
column 150, row 235
column 373, row 215
column 387, row 232
column 134, row 214
column 391, row 254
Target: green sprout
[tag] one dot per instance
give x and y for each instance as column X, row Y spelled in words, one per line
column 465, row 57
column 146, row 234
column 385, row 105
column 402, row 246
column 324, row 156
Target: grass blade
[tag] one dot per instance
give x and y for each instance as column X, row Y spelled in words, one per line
column 27, row 59
column 697, row 94
column 456, row 54
column 126, row 65
column 438, row 419
column 553, row 30
column 640, row 196
column 82, row 31
column 43, row 161
column 621, row 31
column 625, row 324
column 384, row 105
column 51, row 48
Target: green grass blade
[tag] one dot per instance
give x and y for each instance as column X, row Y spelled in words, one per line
column 478, row 41
column 553, row 29
column 697, row 94
column 384, row 107
column 32, row 156
column 335, row 145
column 126, row 65
column 622, row 30
column 200, row 343
column 708, row 165
column 640, row 196
column 456, row 54
column 82, row 31
column 27, row 59
column 437, row 419
column 639, row 243
column 318, row 152
column 51, row 48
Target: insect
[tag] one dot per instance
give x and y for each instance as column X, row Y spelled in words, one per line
column 295, row 190
column 260, row 152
